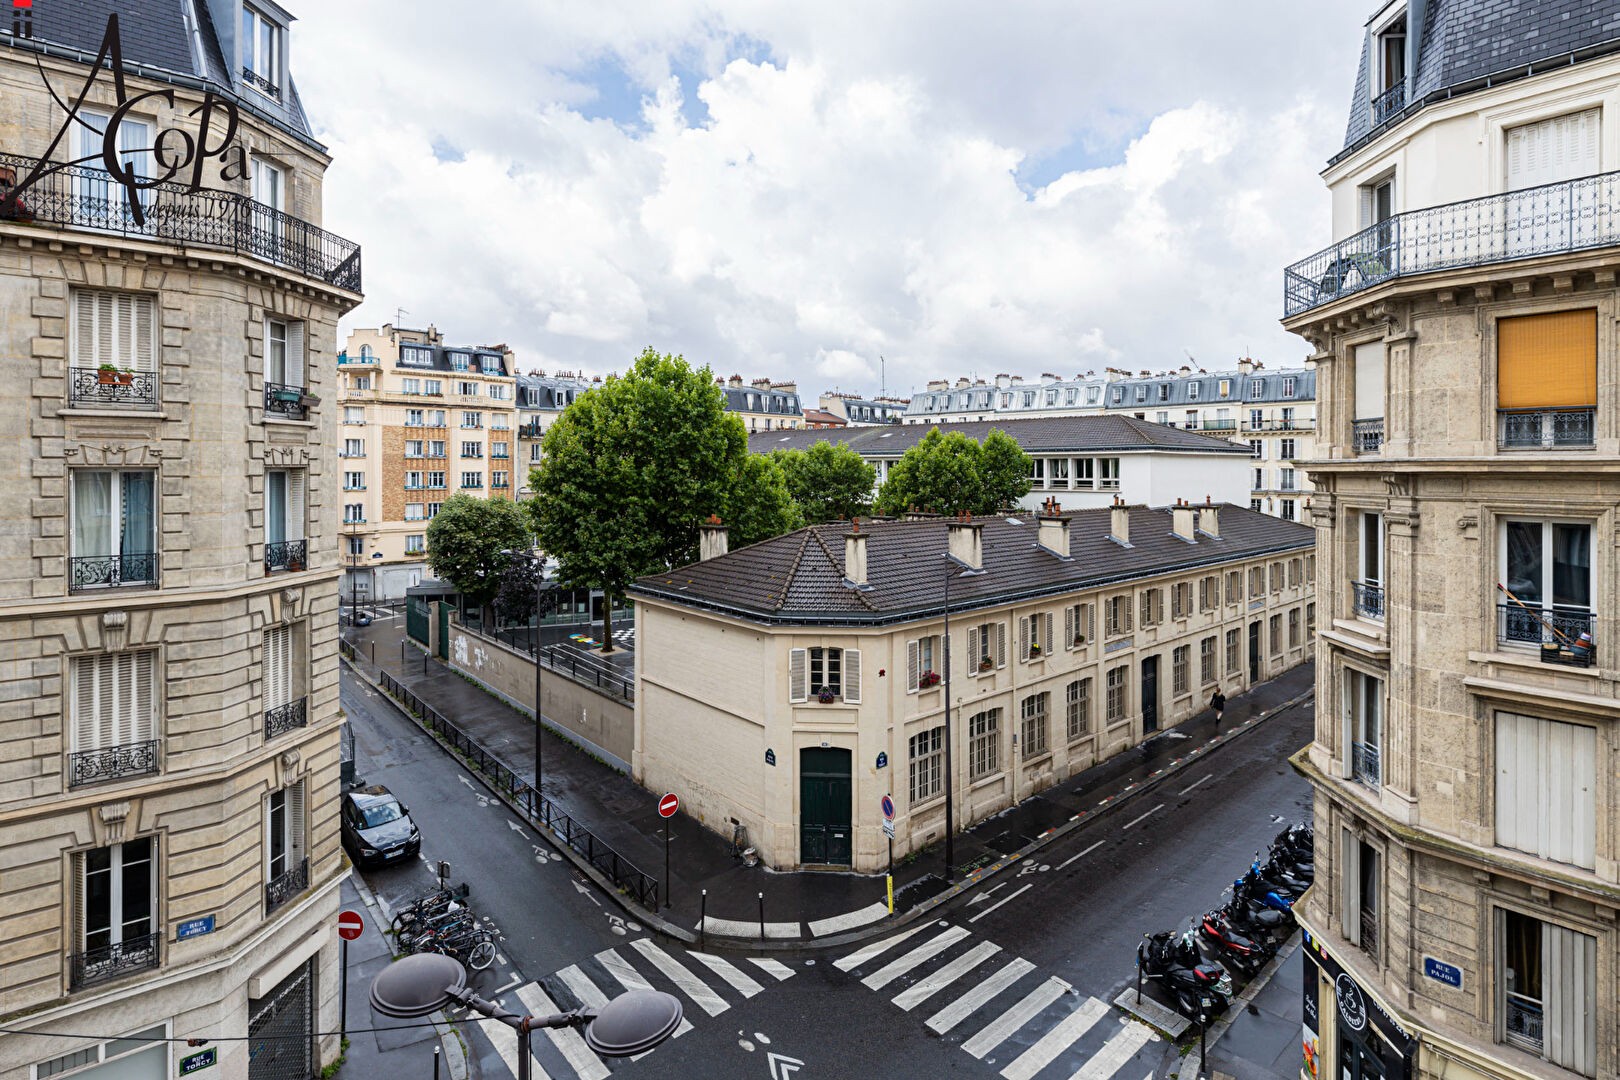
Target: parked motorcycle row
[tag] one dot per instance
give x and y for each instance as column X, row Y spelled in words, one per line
column 441, row 922
column 1196, row 967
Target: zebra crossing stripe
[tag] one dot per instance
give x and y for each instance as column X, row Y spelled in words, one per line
column 631, row 979
column 689, row 984
column 926, row 988
column 968, row 1003
column 568, row 1042
column 995, row 1033
column 734, row 978
column 504, row 1040
column 1118, row 1050
column 899, row 966
column 774, row 967
column 582, row 988
column 1054, row 1042
column 861, row 956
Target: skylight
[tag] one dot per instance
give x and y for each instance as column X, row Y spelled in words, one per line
column 1015, row 521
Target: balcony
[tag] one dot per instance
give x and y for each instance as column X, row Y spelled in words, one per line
column 530, row 431
column 1521, row 1022
column 1213, row 425
column 284, row 555
column 260, row 83
column 76, row 197
column 104, row 389
column 345, row 358
column 1389, row 103
column 1367, row 600
column 110, row 961
column 1367, row 436
column 1564, row 634
column 1545, row 429
column 1572, row 215
column 1368, row 924
column 1364, row 765
column 291, row 402
column 112, row 571
column 283, row 887
column 1281, row 425
column 283, row 718
column 112, row 763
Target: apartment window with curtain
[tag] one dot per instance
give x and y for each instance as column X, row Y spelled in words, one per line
column 984, row 744
column 1033, row 712
column 1546, row 788
column 1547, row 570
column 114, row 349
column 1077, row 709
column 924, row 663
column 113, row 733
column 114, row 532
column 115, row 927
column 1367, row 590
column 286, row 865
column 926, row 761
column 1546, row 987
column 1363, row 727
column 284, row 542
column 1546, row 381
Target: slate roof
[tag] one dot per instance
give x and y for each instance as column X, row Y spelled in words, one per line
column 799, row 578
column 1041, row 434
column 480, row 361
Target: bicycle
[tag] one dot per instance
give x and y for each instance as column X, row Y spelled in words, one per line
column 475, row 948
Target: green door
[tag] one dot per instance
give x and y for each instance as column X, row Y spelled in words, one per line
column 444, row 631
column 824, row 807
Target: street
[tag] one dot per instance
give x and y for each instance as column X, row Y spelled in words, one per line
column 1015, row 978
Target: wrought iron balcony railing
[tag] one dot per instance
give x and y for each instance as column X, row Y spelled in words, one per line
column 1521, row 1022
column 283, row 718
column 1389, row 103
column 1368, row 921
column 112, row 571
column 345, row 358
column 1367, row 436
column 260, row 83
column 110, row 961
column 1545, row 429
column 1280, row 425
column 76, row 197
column 121, row 390
column 284, row 400
column 1368, row 599
column 285, row 555
column 112, row 763
column 1563, row 634
column 1572, row 215
column 1364, row 764
column 529, row 431
column 286, row 885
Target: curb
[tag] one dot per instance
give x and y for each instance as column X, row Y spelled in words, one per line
column 1252, row 991
column 903, row 919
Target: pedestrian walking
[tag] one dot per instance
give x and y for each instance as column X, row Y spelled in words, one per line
column 1217, row 702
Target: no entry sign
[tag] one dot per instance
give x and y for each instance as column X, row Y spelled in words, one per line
column 350, row 924
column 668, row 805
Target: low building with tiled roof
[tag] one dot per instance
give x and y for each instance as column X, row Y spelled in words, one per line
column 821, row 418
column 791, row 684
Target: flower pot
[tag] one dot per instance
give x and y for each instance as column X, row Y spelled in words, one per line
column 106, row 378
column 125, row 378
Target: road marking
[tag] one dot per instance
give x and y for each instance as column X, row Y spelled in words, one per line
column 1144, row 817
column 499, row 990
column 782, row 1066
column 1088, row 851
column 515, row 827
column 631, row 979
column 501, row 960
column 745, row 928
column 774, row 967
column 689, row 984
column 968, row 1003
column 996, row 1031
column 849, row 920
column 902, row 964
column 985, row 895
column 736, row 979
column 1118, row 1050
column 582, row 987
column 926, row 988
column 861, row 956
column 568, row 1042
column 1010, row 896
column 1054, row 1042
column 1194, row 784
column 504, row 1039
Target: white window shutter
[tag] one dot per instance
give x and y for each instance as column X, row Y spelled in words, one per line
column 913, row 671
column 277, row 683
column 973, row 649
column 1350, row 881
column 142, row 348
column 852, row 676
column 295, row 354
column 296, row 518
column 1365, row 212
column 84, row 330
column 1569, row 959
column 295, row 824
column 798, row 675
column 79, row 887
column 1046, row 638
column 1023, row 637
column 1001, row 644
column 1068, row 625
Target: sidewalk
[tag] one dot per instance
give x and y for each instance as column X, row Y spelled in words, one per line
column 1265, row 1041
column 797, row 905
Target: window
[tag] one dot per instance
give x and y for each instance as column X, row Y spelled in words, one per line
column 1257, row 450
column 1546, row 984
column 826, row 670
column 1285, row 480
column 1359, row 881
column 499, row 450
column 1275, row 627
column 499, row 478
column 114, row 701
column 1369, row 587
column 1224, row 389
column 1141, row 394
column 1546, row 788
column 1286, row 449
column 357, row 545
column 284, row 352
column 114, row 538
column 1162, row 392
column 1180, row 660
column 1118, row 395
column 460, row 361
column 415, row 543
column 1192, row 391
column 497, row 392
column 1293, row 573
column 415, row 354
column 1057, row 471
column 1209, row 593
column 415, row 512
column 926, row 757
column 1077, row 709
column 1033, row 714
column 433, row 387
column 435, row 448
column 1085, row 471
column 434, row 480
column 435, row 418
column 1546, row 380
column 1257, row 582
column 987, row 647
column 1310, row 569
column 1293, row 628
column 1206, row 661
column 467, row 389
column 286, row 872
column 1119, row 694
column 1559, row 148
column 115, row 904
column 261, row 53
column 924, row 663
column 354, row 513
column 433, row 510
column 1289, row 382
column 1051, row 397
column 1037, row 472
column 414, row 417
column 1234, row 658
column 410, row 386
column 1259, row 480
column 1034, row 636
column 414, row 447
column 1257, row 419
column 472, row 419
column 1257, row 506
column 1286, row 510
column 1094, row 395
column 280, row 678
column 113, row 328
column 1119, row 615
column 1152, row 608
column 472, row 450
column 1257, row 388
column 1363, row 719
column 984, row 744
column 1276, row 575
column 1181, row 600
column 1234, row 586
column 1079, row 625
column 1029, row 399
column 472, row 480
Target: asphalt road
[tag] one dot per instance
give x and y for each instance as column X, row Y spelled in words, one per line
column 1013, row 979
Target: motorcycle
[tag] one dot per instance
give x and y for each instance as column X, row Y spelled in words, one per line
column 1293, row 850
column 1247, row 955
column 1256, row 892
column 1286, row 884
column 1201, row 991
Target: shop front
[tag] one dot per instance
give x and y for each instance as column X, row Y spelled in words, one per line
column 1364, row 1040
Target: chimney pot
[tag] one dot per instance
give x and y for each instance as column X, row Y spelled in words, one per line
column 712, row 542
column 1054, row 529
column 1209, row 520
column 966, row 542
column 1119, row 529
column 855, row 556
column 1181, row 518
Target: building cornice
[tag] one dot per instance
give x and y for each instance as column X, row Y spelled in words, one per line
column 145, row 599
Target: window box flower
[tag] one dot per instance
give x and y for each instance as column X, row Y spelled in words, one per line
column 987, row 664
column 826, row 696
column 106, row 375
column 1034, row 651
column 1079, row 640
column 927, row 680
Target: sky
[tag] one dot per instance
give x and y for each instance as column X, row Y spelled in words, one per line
column 852, row 196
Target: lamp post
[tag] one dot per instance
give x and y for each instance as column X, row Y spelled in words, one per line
column 423, row 983
column 539, row 721
column 950, row 771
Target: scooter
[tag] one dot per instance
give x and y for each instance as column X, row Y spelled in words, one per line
column 1278, row 878
column 1257, row 891
column 1293, row 852
column 1258, row 922
column 1244, row 954
column 1201, row 991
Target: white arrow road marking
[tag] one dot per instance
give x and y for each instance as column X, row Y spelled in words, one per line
column 586, row 893
column 1010, row 896
column 631, row 979
column 515, row 827
column 982, row 897
column 783, row 1066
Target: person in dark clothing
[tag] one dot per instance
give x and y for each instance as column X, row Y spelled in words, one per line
column 1218, row 702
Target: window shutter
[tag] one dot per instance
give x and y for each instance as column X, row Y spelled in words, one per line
column 296, row 518
column 1547, row 361
column 1046, row 638
column 1365, row 213
column 973, row 650
column 84, row 329
column 1350, row 880
column 295, row 354
column 1001, row 645
column 1158, row 597
column 295, row 824
column 86, row 699
column 1569, row 986
column 141, row 349
column 277, row 684
column 1068, row 626
column 852, row 676
column 79, row 888
column 798, row 677
column 1023, row 637
column 913, row 670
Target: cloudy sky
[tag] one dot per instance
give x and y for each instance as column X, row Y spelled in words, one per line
column 794, row 190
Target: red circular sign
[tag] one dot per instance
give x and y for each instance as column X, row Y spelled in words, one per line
column 350, row 924
column 668, row 805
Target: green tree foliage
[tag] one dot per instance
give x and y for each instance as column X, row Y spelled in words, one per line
column 759, row 506
column 947, row 474
column 465, row 540
column 828, row 481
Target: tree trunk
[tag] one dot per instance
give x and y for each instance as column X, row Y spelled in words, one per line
column 607, row 621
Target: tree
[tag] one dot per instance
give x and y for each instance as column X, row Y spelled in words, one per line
column 758, row 505
column 465, row 541
column 828, row 481
column 949, row 474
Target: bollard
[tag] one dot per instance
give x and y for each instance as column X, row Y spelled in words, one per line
column 1201, row 1029
column 374, row 652
column 435, row 1063
column 762, row 916
column 703, row 916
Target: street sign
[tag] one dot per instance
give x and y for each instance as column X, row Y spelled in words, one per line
column 350, row 925
column 194, row 928
column 888, row 808
column 888, row 828
column 883, row 760
column 770, row 757
column 1439, row 970
column 200, row 1060
column 668, row 805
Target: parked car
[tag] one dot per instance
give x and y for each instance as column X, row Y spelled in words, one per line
column 354, row 619
column 377, row 828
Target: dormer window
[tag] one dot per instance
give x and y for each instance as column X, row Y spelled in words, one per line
column 460, row 361
column 1192, row 391
column 1389, row 76
column 261, row 47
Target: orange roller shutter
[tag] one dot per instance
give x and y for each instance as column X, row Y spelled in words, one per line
column 1547, row 361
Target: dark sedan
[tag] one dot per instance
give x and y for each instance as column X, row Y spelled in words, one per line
column 377, row 828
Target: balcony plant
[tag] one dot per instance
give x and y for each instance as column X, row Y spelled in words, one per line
column 986, row 664
column 107, row 374
column 126, row 376
column 826, row 696
column 295, row 563
column 927, row 680
column 1079, row 640
column 1034, row 650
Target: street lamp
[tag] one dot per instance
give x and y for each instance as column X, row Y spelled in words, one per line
column 539, row 600
column 950, row 771
column 423, row 983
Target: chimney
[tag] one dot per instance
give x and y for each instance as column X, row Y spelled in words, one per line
column 1181, row 521
column 1018, row 380
column 1003, row 380
column 1209, row 519
column 712, row 542
column 962, row 382
column 1245, row 366
column 1054, row 529
column 734, row 382
column 1114, row 375
column 1119, row 529
column 967, row 542
column 938, row 384
column 855, row 556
